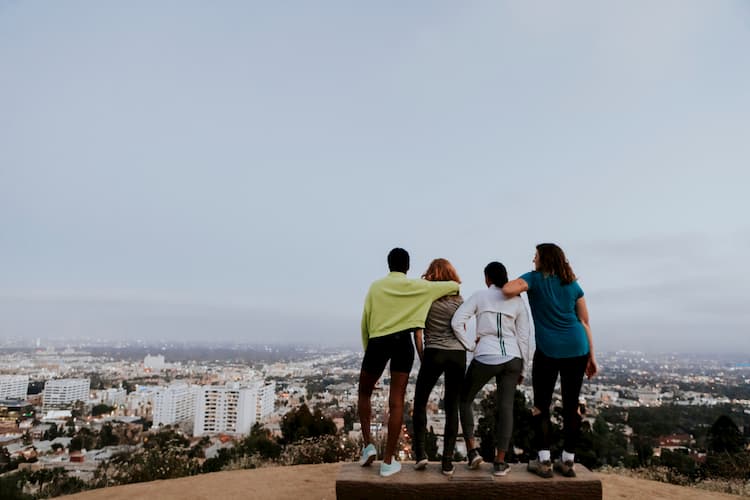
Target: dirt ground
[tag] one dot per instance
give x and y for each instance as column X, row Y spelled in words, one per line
column 319, row 482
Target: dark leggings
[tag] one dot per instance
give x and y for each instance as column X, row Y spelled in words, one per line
column 435, row 363
column 543, row 378
column 506, row 377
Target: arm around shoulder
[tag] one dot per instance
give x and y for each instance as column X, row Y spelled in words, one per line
column 515, row 287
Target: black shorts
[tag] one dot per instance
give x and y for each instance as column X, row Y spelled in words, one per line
column 396, row 347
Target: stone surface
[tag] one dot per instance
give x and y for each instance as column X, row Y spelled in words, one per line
column 355, row 482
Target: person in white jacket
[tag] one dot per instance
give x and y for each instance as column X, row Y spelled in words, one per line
column 502, row 351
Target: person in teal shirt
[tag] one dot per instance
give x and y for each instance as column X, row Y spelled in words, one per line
column 564, row 348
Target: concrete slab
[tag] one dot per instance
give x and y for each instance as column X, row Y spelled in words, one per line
column 355, row 482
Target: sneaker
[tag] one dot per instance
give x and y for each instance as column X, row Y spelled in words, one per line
column 390, row 469
column 368, row 455
column 474, row 459
column 448, row 468
column 565, row 468
column 500, row 468
column 541, row 469
column 421, row 463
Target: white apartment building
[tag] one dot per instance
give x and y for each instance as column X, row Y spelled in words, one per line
column 229, row 409
column 154, row 363
column 61, row 394
column 13, row 386
column 266, row 400
column 174, row 404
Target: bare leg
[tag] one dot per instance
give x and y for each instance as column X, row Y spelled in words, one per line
column 396, row 409
column 367, row 383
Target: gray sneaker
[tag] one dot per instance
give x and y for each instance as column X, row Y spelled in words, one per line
column 474, row 459
column 565, row 468
column 541, row 469
column 500, row 468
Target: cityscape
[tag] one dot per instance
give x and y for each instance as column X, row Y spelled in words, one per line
column 54, row 400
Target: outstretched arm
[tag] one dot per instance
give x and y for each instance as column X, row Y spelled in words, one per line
column 583, row 316
column 515, row 287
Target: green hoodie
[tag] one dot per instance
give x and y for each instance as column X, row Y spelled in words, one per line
column 397, row 303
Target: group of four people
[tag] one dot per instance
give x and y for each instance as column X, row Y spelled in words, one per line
column 431, row 307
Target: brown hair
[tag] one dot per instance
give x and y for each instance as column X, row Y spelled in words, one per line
column 441, row 270
column 552, row 261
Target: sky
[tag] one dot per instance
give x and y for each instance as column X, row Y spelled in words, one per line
column 239, row 170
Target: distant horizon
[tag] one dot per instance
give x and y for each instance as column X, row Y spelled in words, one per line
column 160, row 346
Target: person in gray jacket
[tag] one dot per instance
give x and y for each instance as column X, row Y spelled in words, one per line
column 502, row 351
column 440, row 352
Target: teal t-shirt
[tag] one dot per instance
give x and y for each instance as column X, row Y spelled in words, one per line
column 558, row 332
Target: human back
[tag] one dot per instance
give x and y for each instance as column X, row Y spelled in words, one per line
column 558, row 330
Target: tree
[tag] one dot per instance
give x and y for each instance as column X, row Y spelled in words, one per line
column 11, row 486
column 300, row 423
column 107, row 436
column 259, row 442
column 101, row 409
column 79, row 409
column 51, row 433
column 725, row 436
column 350, row 416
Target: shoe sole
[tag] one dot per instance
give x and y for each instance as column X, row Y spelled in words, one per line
column 474, row 465
column 565, row 473
column 389, row 474
column 421, row 465
column 545, row 475
column 448, row 472
column 501, row 473
column 542, row 474
column 370, row 459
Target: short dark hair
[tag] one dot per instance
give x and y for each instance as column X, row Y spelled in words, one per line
column 496, row 273
column 398, row 260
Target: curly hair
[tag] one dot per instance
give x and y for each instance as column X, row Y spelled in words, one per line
column 552, row 261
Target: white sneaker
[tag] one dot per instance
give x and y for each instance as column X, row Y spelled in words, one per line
column 390, row 469
column 368, row 455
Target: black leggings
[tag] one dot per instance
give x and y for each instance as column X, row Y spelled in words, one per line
column 543, row 378
column 506, row 378
column 435, row 363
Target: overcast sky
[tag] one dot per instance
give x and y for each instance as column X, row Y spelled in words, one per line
column 239, row 170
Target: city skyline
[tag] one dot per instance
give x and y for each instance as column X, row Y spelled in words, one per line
column 240, row 172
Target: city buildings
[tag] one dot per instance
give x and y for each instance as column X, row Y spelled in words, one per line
column 229, row 409
column 62, row 394
column 175, row 404
column 13, row 386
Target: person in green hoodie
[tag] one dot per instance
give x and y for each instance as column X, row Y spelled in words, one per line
column 395, row 306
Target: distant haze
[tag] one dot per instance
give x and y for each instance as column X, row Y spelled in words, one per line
column 239, row 171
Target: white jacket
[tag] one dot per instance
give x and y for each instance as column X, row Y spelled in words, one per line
column 503, row 324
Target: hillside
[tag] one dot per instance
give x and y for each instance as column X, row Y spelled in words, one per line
column 319, row 482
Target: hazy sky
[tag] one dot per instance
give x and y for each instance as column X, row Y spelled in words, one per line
column 239, row 170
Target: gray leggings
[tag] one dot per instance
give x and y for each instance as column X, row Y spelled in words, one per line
column 506, row 376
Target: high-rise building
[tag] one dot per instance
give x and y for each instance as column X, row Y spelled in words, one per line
column 13, row 386
column 229, row 409
column 174, row 404
column 266, row 400
column 62, row 394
